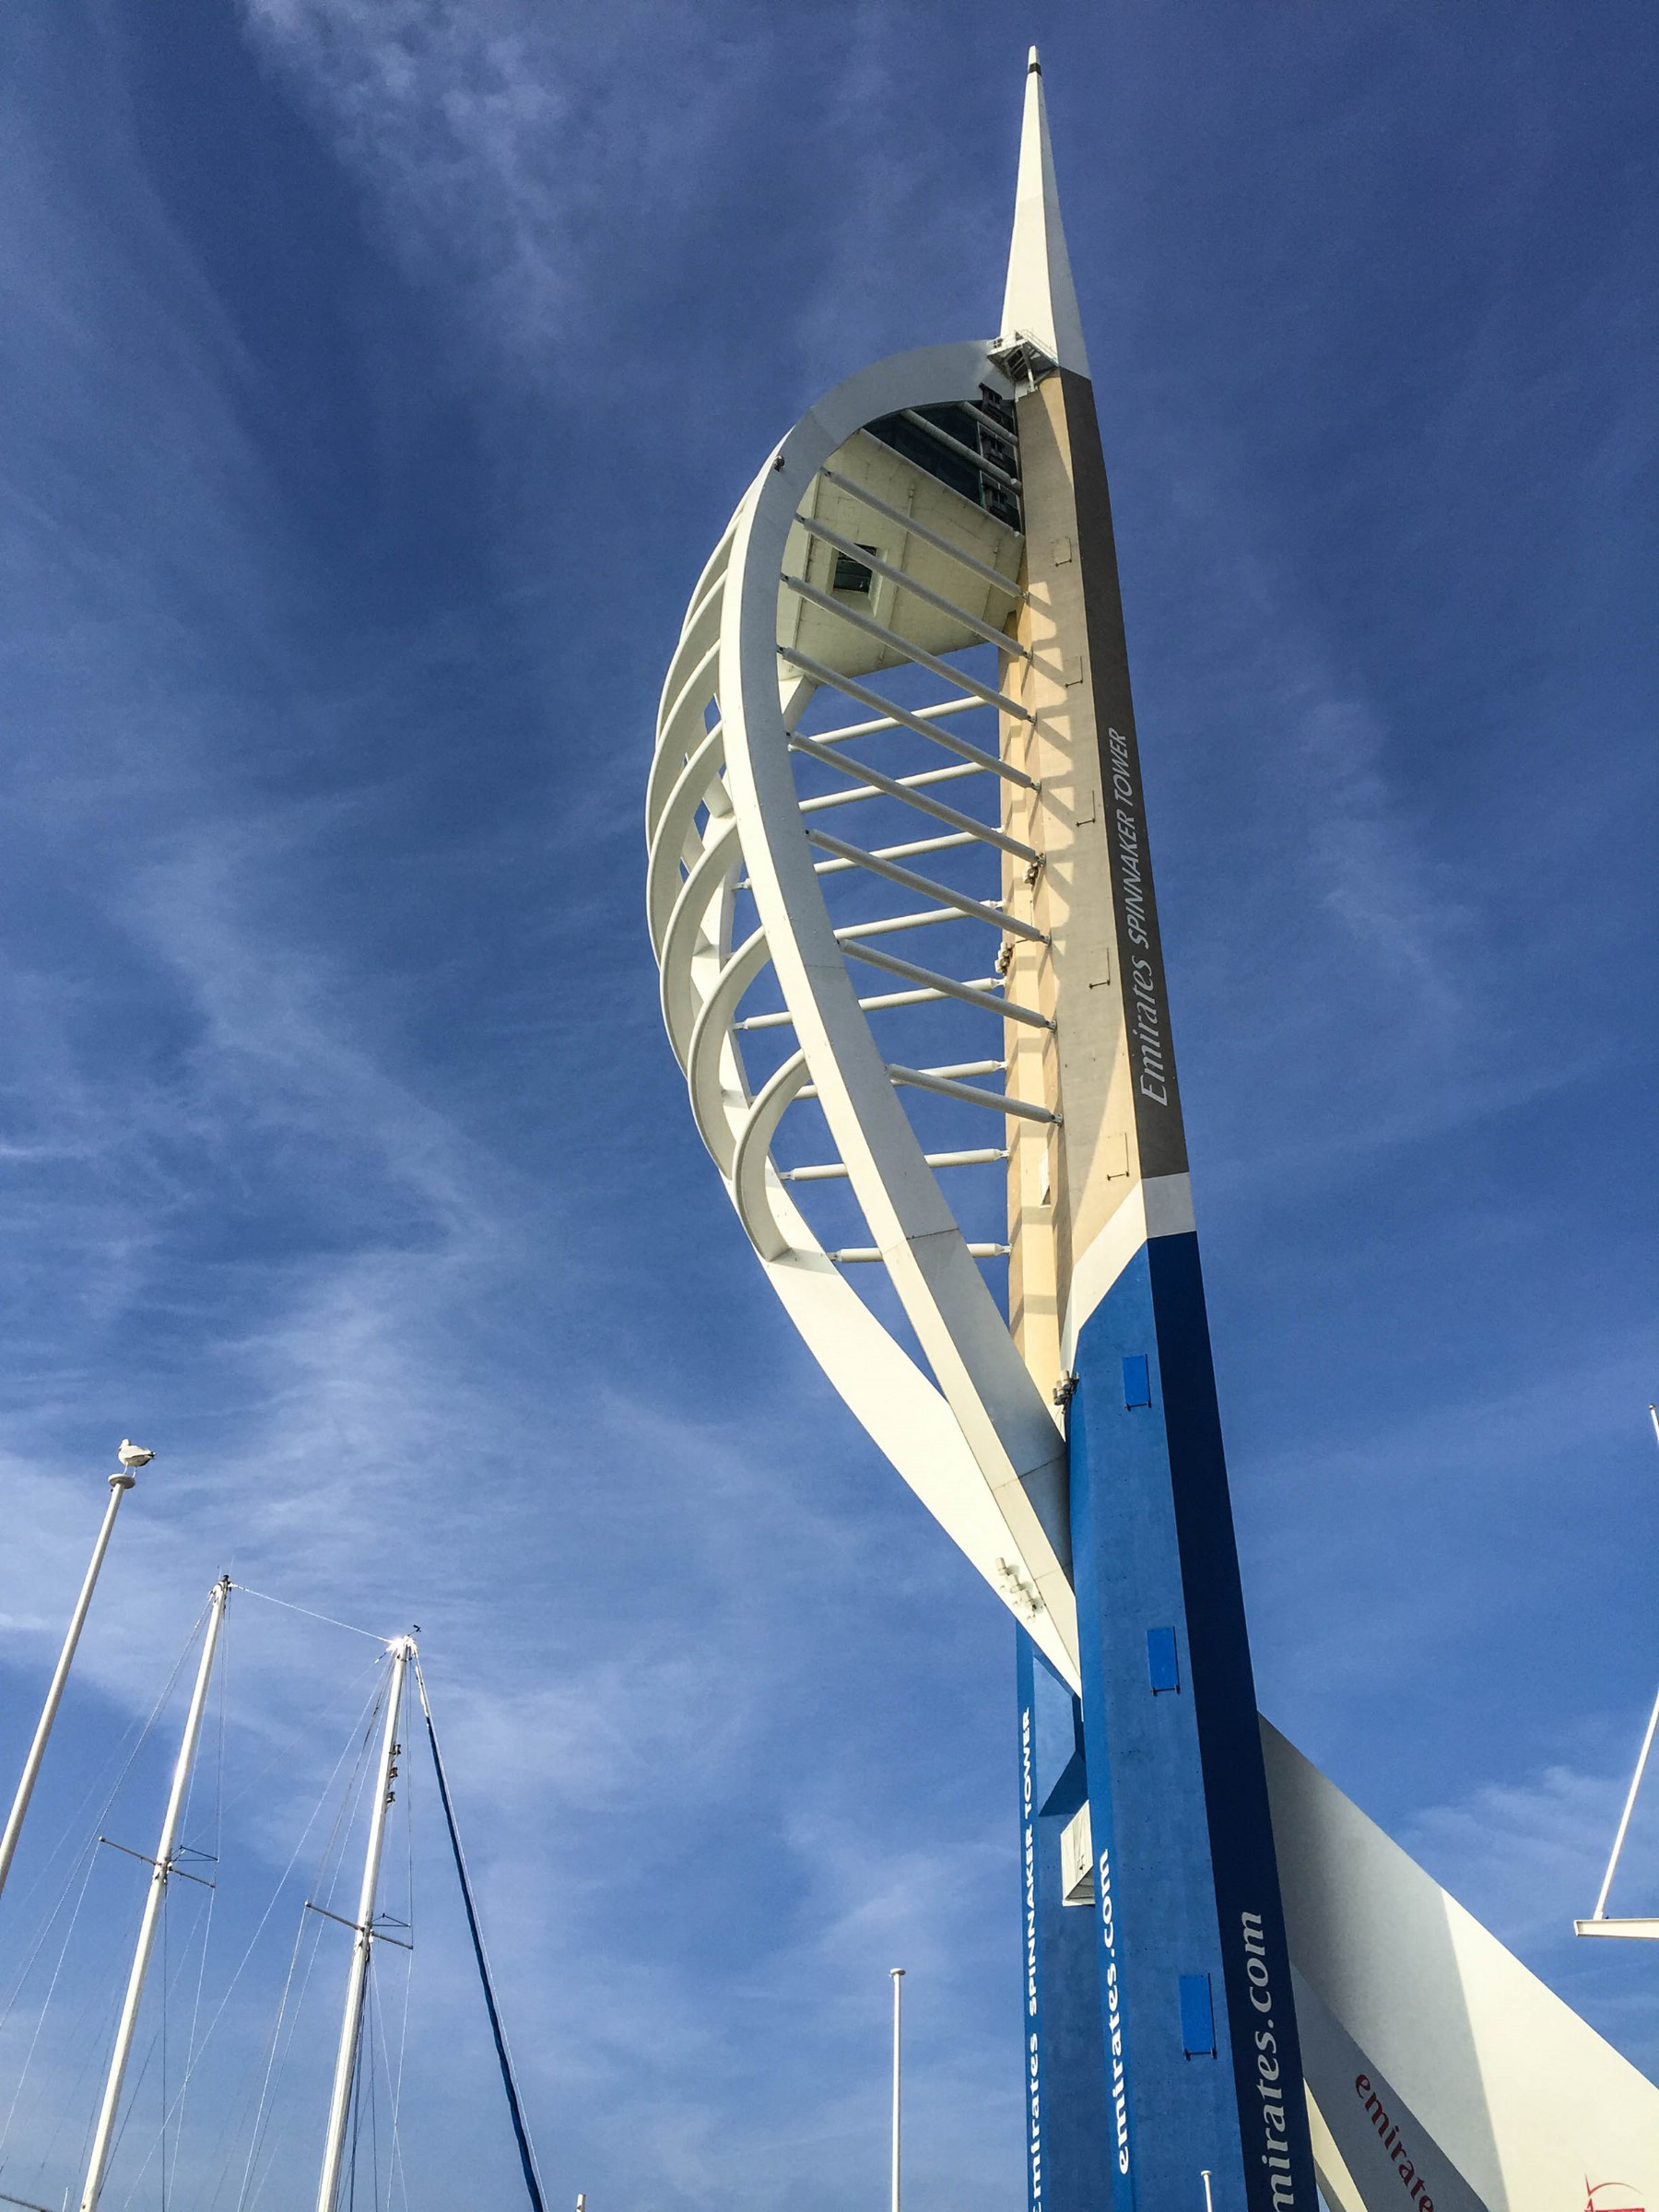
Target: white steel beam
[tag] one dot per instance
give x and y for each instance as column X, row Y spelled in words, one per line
column 886, row 925
column 920, row 1079
column 872, row 791
column 940, row 544
column 954, row 842
column 904, row 789
column 979, row 910
column 869, row 557
column 970, row 994
column 896, row 717
column 965, row 452
column 901, row 646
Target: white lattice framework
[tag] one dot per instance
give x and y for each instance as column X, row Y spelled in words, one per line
column 732, row 818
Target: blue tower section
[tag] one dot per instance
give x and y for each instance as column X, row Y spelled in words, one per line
column 1202, row 2065
column 1066, row 2155
column 1197, row 2047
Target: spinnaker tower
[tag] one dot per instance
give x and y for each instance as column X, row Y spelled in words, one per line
column 900, row 892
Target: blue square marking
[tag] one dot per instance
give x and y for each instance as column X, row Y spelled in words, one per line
column 1197, row 2017
column 1138, row 1379
column 1163, row 1663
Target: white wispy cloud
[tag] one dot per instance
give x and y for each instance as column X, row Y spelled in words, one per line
column 504, row 145
column 1531, row 1851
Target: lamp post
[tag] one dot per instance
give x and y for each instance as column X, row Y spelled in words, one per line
column 132, row 1456
column 898, row 1974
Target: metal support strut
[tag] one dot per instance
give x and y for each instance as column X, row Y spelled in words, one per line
column 521, row 2133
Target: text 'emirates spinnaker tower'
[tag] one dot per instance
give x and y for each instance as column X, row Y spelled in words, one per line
column 900, row 895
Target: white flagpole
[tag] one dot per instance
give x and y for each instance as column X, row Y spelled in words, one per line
column 898, row 1974
column 1629, row 1803
column 339, row 2111
column 161, row 1867
column 1629, row 1807
column 121, row 1482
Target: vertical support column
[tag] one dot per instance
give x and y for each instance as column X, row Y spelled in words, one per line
column 1200, row 2064
column 1066, row 2107
column 1176, row 2106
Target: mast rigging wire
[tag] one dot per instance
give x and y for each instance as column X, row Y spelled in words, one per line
column 521, row 2134
column 135, row 1742
column 360, row 1737
column 138, row 1735
column 172, row 2111
column 372, row 2031
column 88, row 1859
column 199, row 2047
column 289, row 1606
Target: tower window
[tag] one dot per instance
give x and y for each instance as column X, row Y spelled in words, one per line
column 851, row 575
column 997, row 408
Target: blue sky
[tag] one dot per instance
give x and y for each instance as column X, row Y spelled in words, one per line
column 374, row 378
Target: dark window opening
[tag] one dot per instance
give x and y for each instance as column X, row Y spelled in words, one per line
column 997, row 408
column 959, row 471
column 997, row 499
column 851, row 575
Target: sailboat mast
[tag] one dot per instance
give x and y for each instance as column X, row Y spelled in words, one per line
column 161, row 1867
column 503, row 2058
column 339, row 2111
column 121, row 1482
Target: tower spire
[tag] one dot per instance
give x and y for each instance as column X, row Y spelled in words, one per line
column 1040, row 302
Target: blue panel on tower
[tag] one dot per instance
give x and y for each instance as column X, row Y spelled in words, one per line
column 1197, row 2017
column 1163, row 1664
column 1068, row 2156
column 1137, row 1381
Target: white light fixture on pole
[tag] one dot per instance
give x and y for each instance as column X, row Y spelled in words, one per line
column 131, row 1457
column 898, row 1974
column 161, row 1867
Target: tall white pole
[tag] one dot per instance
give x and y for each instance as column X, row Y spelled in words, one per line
column 339, row 2109
column 104, row 2136
column 1629, row 1807
column 898, row 1974
column 120, row 1484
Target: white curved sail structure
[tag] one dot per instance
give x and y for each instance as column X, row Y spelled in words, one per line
column 843, row 662
column 1433, row 2057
